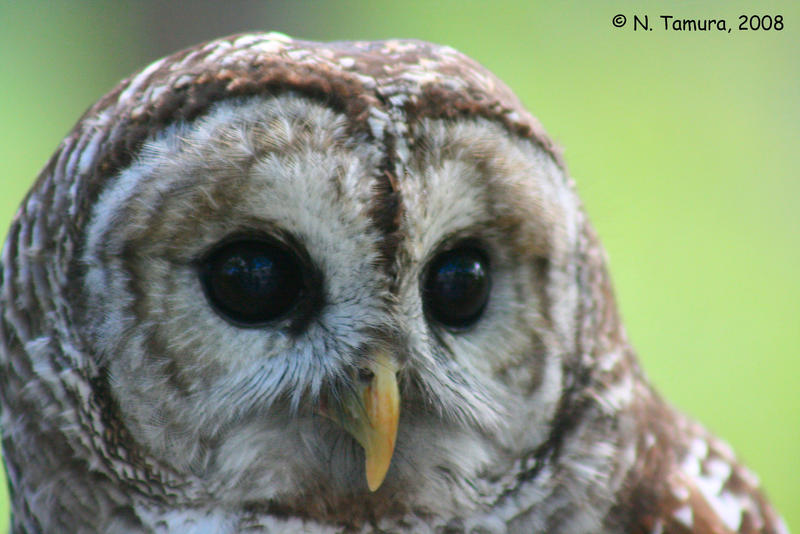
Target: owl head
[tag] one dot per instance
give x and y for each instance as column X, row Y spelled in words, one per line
column 341, row 282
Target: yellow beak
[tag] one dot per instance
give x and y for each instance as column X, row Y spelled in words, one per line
column 371, row 415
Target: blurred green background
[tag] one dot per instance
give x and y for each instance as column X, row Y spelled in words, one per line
column 685, row 147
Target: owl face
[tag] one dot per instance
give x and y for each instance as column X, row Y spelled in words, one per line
column 244, row 300
column 269, row 285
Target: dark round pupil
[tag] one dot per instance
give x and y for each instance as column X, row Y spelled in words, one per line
column 457, row 287
column 252, row 282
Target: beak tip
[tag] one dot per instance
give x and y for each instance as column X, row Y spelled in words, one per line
column 373, row 484
column 375, row 476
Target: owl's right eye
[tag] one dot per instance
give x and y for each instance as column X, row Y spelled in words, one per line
column 252, row 282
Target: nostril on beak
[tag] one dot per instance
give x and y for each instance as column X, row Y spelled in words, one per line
column 365, row 375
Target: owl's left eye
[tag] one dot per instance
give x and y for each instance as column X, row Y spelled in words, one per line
column 252, row 282
column 456, row 287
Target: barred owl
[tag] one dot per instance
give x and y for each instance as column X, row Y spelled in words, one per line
column 267, row 285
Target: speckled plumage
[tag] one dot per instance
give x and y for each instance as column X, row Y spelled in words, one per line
column 128, row 405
